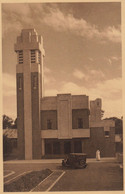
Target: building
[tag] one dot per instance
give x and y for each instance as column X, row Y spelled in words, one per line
column 54, row 126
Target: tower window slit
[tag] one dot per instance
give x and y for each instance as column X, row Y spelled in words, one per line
column 39, row 57
column 34, row 82
column 33, row 56
column 20, row 57
column 20, row 83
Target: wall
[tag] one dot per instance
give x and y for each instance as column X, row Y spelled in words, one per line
column 49, row 103
column 97, row 140
column 64, row 116
column 36, row 131
column 80, row 102
column 20, row 116
column 95, row 110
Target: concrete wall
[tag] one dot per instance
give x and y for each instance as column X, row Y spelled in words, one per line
column 95, row 110
column 29, row 138
column 49, row 103
column 80, row 102
column 64, row 116
column 36, row 132
column 97, row 140
column 59, row 110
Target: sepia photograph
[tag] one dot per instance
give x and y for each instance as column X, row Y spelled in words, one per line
column 62, row 118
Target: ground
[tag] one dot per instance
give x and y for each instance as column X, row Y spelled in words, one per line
column 98, row 176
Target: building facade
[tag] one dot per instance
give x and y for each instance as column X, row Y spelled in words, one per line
column 57, row 125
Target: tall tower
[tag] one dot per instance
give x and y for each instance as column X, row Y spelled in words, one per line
column 29, row 75
column 95, row 110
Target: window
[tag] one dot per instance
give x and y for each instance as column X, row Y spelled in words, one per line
column 34, row 82
column 49, row 124
column 33, row 56
column 78, row 146
column 48, row 148
column 20, row 83
column 80, row 123
column 106, row 133
column 56, row 147
column 20, row 57
column 39, row 57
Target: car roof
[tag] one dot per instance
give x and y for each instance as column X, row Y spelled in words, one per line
column 78, row 154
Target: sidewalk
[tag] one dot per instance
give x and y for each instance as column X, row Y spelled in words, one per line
column 56, row 161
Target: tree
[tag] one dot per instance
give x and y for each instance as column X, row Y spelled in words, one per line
column 7, row 146
column 7, row 122
column 118, row 124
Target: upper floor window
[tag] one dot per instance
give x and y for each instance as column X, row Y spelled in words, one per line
column 20, row 57
column 33, row 56
column 106, row 133
column 49, row 124
column 80, row 123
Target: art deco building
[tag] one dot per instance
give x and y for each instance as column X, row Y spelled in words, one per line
column 54, row 126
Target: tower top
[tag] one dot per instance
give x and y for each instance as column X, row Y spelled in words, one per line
column 29, row 39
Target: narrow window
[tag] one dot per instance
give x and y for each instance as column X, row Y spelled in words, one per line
column 49, row 124
column 20, row 83
column 33, row 56
column 20, row 57
column 34, row 82
column 39, row 57
column 106, row 133
column 80, row 123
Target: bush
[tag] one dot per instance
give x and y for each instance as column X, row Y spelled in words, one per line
column 27, row 182
column 7, row 146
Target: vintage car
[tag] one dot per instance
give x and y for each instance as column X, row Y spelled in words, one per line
column 75, row 160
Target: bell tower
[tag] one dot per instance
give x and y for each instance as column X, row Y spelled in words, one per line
column 29, row 77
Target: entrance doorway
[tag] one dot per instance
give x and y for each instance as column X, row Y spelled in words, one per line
column 67, row 147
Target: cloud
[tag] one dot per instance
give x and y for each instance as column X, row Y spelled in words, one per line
column 115, row 58
column 112, row 59
column 18, row 16
column 110, row 91
column 9, row 95
column 62, row 22
column 90, row 75
column 105, row 90
column 112, row 33
column 91, row 59
column 46, row 70
column 96, row 74
column 48, row 78
column 9, row 85
column 78, row 74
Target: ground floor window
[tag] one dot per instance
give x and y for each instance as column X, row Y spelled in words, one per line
column 77, row 146
column 59, row 147
column 48, row 148
column 67, row 147
column 56, row 148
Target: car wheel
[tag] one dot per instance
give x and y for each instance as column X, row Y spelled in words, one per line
column 82, row 164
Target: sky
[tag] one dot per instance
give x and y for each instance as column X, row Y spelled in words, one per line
column 82, row 43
